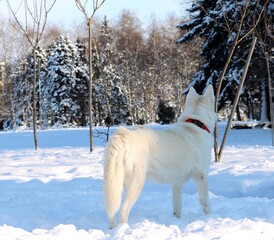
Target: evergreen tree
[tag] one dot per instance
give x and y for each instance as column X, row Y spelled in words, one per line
column 22, row 97
column 82, row 86
column 119, row 106
column 109, row 95
column 64, row 80
column 23, row 87
column 219, row 22
column 166, row 114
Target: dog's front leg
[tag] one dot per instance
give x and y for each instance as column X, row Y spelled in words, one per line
column 177, row 200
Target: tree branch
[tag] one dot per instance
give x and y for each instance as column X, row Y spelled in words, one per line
column 82, row 7
column 38, row 15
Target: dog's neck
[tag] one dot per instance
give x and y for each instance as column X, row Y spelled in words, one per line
column 198, row 123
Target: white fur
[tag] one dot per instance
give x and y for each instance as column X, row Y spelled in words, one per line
column 173, row 155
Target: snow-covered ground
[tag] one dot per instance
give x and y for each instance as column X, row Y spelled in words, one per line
column 56, row 192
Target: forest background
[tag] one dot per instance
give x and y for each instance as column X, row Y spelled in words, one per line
column 139, row 74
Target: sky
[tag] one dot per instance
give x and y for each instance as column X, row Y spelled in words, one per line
column 65, row 12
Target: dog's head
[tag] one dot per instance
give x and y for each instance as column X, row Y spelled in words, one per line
column 200, row 107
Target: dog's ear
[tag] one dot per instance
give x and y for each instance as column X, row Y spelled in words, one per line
column 209, row 93
column 191, row 97
column 192, row 92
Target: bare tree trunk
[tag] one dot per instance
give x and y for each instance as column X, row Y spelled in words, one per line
column 34, row 113
column 237, row 40
column 38, row 17
column 271, row 96
column 237, row 96
column 89, row 20
column 130, row 105
column 90, row 86
column 263, row 108
column 219, row 89
column 10, row 92
column 39, row 92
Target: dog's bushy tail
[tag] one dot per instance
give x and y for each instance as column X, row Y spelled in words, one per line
column 114, row 173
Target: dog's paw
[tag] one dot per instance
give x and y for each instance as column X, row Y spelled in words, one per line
column 177, row 215
column 207, row 209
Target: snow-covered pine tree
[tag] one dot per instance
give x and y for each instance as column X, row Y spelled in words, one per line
column 102, row 82
column 218, row 23
column 109, row 95
column 22, row 97
column 62, row 87
column 23, row 87
column 119, row 106
column 82, row 86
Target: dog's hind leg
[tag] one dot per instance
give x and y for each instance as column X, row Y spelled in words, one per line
column 200, row 180
column 134, row 187
column 177, row 199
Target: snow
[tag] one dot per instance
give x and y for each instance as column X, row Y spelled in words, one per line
column 56, row 192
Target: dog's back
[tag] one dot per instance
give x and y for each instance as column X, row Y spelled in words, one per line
column 175, row 153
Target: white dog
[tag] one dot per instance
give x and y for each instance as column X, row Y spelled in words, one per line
column 173, row 155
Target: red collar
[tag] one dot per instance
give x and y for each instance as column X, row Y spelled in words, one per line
column 198, row 123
